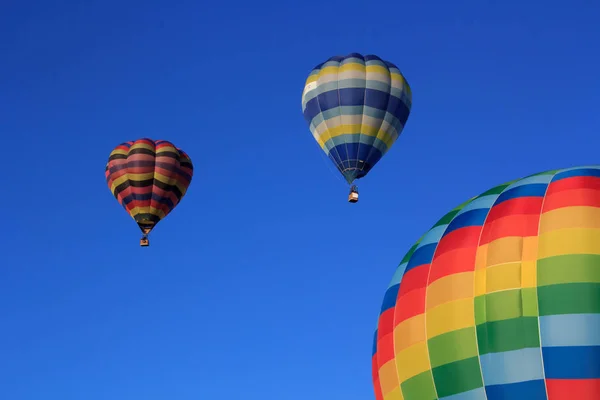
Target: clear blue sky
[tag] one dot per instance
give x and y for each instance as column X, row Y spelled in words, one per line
column 273, row 295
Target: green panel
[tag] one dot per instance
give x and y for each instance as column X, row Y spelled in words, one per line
column 419, row 387
column 458, row 377
column 507, row 335
column 507, row 304
column 568, row 269
column 569, row 298
column 530, row 302
column 503, row 305
column 479, row 305
column 452, row 346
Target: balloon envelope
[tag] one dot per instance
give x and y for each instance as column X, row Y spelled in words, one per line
column 500, row 299
column 356, row 107
column 148, row 178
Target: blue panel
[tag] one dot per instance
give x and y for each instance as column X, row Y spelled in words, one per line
column 389, row 300
column 572, row 362
column 373, row 159
column 541, row 179
column 378, row 99
column 347, row 155
column 337, row 58
column 433, row 236
column 398, row 275
column 335, row 158
column 533, row 190
column 528, row 390
column 570, row 330
column 352, row 96
column 470, row 218
column 345, row 152
column 480, row 203
column 328, row 100
column 365, row 151
column 374, row 348
column 398, row 109
column 368, row 57
column 312, row 109
column 422, row 255
column 512, row 366
column 577, row 172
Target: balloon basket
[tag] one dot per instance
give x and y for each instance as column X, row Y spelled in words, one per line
column 144, row 242
column 353, row 197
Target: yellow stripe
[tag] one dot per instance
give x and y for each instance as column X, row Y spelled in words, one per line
column 141, row 145
column 569, row 241
column 409, row 332
column 412, row 361
column 311, row 79
column 395, row 394
column 140, row 177
column 147, row 176
column 118, row 182
column 351, row 67
column 505, row 250
column 345, row 129
column 502, row 277
column 530, row 248
column 168, row 147
column 570, row 217
column 370, row 69
column 164, row 179
column 332, row 69
column 146, row 210
column 400, row 79
column 134, row 177
column 449, row 288
column 450, row 317
column 335, row 70
column 181, row 188
column 388, row 377
column 480, row 278
column 529, row 274
column 377, row 69
column 122, row 152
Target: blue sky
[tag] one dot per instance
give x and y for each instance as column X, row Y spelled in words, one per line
column 273, row 295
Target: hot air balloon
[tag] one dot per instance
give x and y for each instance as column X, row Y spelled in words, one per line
column 356, row 107
column 500, row 299
column 148, row 178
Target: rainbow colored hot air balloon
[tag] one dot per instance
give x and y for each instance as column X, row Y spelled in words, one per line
column 500, row 300
column 148, row 178
column 356, row 107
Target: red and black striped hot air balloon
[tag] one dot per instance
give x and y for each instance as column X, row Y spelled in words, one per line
column 148, row 178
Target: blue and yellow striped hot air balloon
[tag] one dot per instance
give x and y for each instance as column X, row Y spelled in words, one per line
column 356, row 107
